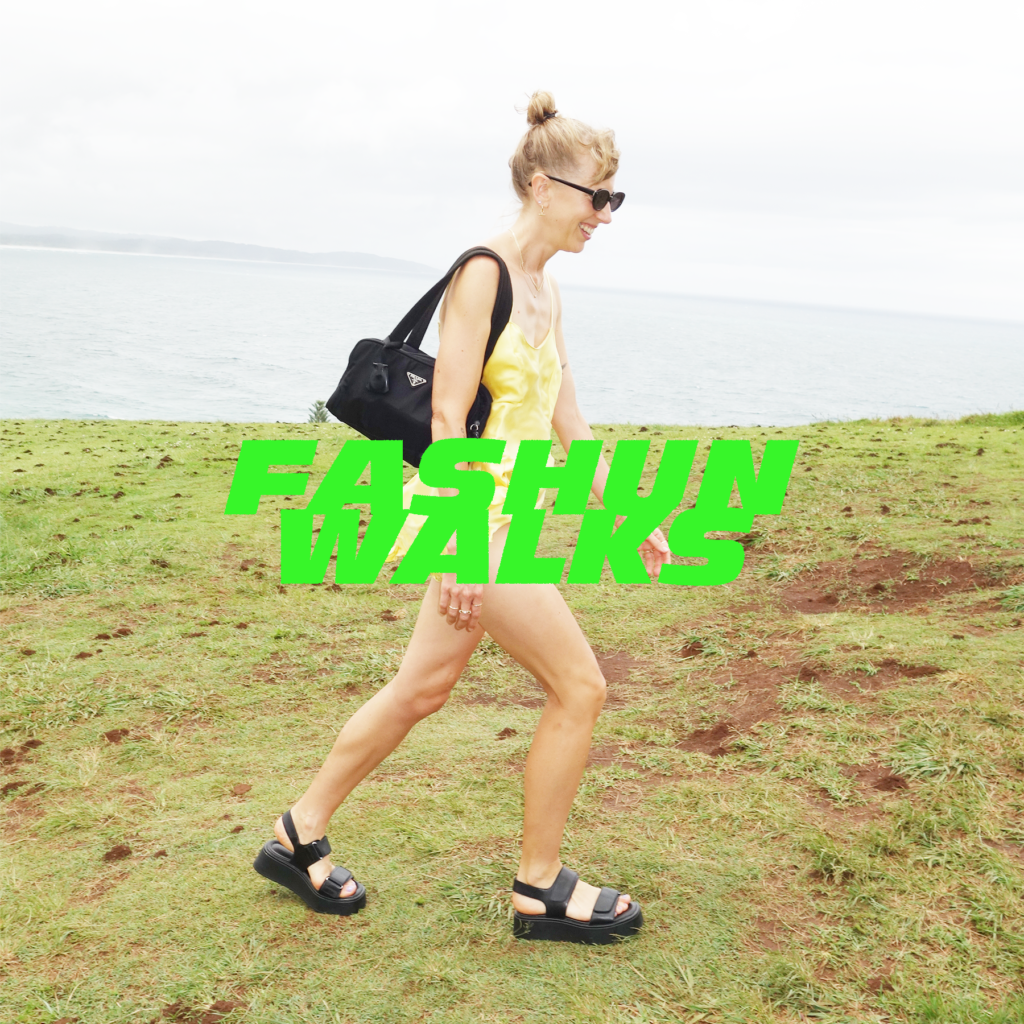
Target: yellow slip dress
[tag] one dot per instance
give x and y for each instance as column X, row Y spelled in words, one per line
column 523, row 380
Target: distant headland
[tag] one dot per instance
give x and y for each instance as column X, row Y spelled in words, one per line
column 151, row 245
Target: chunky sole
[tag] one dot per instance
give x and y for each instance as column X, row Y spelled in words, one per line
column 275, row 862
column 541, row 927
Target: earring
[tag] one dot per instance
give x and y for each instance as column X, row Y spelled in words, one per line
column 541, row 205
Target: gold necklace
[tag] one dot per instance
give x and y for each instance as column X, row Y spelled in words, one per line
column 535, row 288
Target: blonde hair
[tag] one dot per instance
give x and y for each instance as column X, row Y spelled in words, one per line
column 554, row 143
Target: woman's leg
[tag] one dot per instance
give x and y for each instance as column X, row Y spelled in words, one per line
column 434, row 660
column 533, row 623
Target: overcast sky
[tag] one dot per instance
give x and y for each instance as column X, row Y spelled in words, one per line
column 865, row 154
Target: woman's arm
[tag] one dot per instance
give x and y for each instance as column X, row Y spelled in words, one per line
column 465, row 328
column 570, row 424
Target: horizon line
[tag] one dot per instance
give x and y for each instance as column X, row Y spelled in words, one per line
column 793, row 304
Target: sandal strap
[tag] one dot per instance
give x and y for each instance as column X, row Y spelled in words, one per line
column 304, row 854
column 604, row 908
column 335, row 882
column 556, row 896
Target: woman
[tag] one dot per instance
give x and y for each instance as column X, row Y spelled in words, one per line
column 563, row 172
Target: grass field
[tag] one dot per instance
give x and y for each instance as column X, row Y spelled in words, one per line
column 812, row 778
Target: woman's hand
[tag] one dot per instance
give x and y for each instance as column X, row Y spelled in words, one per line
column 460, row 603
column 655, row 553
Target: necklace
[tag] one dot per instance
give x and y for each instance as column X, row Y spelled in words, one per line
column 535, row 288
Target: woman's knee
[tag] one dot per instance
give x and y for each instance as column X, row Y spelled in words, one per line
column 597, row 689
column 584, row 693
column 426, row 693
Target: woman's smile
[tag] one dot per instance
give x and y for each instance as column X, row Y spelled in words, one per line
column 587, row 171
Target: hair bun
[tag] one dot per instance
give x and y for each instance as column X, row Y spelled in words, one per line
column 559, row 148
column 541, row 108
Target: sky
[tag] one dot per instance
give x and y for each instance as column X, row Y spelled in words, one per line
column 866, row 155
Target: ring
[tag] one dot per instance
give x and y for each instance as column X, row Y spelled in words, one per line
column 463, row 612
column 451, row 606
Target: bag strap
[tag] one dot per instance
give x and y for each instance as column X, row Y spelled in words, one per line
column 413, row 326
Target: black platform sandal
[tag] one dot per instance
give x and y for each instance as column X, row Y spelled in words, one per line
column 276, row 862
column 604, row 924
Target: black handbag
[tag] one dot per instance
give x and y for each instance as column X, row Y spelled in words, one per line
column 385, row 391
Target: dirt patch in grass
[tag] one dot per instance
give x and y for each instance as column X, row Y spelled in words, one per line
column 17, row 613
column 881, row 981
column 877, row 777
column 24, row 808
column 713, row 740
column 693, row 649
column 754, row 687
column 892, row 582
column 133, row 792
column 276, row 669
column 11, row 756
column 989, row 606
column 180, row 1012
column 876, row 783
column 617, row 667
column 229, row 556
column 859, row 686
column 1013, row 850
column 19, row 784
column 772, row 936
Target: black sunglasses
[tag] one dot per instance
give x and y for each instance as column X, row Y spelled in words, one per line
column 599, row 198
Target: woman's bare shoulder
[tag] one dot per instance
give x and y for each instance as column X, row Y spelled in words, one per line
column 474, row 285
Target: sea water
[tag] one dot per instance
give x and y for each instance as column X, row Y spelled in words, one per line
column 89, row 334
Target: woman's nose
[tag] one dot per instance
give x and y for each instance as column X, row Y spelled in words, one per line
column 604, row 215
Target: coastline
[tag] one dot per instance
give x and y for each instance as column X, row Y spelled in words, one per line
column 216, row 259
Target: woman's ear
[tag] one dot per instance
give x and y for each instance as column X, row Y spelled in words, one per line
column 541, row 188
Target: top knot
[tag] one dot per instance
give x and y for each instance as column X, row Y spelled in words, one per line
column 560, row 147
column 541, row 108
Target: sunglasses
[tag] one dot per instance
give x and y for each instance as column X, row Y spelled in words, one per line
column 599, row 198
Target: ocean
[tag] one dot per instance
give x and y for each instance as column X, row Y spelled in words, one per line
column 86, row 334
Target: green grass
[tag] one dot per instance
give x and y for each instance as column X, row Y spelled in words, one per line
column 821, row 813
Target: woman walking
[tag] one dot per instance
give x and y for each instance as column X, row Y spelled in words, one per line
column 563, row 172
